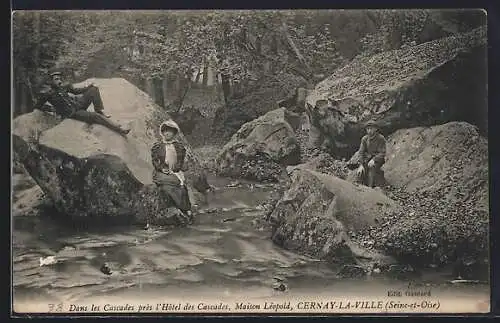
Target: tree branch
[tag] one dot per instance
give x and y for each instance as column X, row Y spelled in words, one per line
column 295, row 49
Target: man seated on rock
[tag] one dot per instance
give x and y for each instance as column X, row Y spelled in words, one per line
column 75, row 107
column 168, row 161
column 371, row 155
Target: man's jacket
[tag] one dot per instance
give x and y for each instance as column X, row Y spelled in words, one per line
column 373, row 147
column 63, row 103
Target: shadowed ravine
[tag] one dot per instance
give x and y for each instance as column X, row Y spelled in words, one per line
column 225, row 252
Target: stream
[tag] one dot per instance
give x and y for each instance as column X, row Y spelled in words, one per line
column 227, row 252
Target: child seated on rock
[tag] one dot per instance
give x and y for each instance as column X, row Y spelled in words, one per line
column 371, row 156
column 168, row 161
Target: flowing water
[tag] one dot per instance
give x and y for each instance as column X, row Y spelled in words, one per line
column 226, row 252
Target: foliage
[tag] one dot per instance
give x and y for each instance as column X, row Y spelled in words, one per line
column 319, row 48
column 397, row 28
column 208, row 157
column 37, row 43
column 256, row 100
column 241, row 46
column 167, row 41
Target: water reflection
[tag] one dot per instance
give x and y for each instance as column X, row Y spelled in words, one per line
column 213, row 256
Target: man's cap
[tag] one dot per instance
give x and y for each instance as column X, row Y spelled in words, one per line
column 322, row 102
column 372, row 123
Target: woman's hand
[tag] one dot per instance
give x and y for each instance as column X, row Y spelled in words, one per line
column 360, row 170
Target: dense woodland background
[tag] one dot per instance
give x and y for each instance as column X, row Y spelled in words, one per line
column 214, row 61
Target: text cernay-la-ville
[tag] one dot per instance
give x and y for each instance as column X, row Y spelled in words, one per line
column 311, row 305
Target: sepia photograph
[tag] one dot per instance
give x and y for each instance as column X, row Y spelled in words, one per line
column 243, row 162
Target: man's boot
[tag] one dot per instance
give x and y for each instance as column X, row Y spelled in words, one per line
column 113, row 126
column 118, row 129
column 101, row 112
column 122, row 131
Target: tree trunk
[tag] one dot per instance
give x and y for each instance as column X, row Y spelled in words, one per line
column 134, row 49
column 150, row 88
column 158, row 90
column 177, row 86
column 225, row 80
column 182, row 94
column 235, row 89
column 274, row 44
column 36, row 36
column 258, row 45
column 226, row 86
column 16, row 100
column 205, row 72
column 28, row 97
column 30, row 93
column 295, row 49
column 36, row 57
column 274, row 50
column 197, row 78
column 164, row 87
column 23, row 104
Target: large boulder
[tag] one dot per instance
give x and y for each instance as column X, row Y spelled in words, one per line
column 450, row 160
column 21, row 181
column 29, row 202
column 432, row 83
column 26, row 196
column 90, row 171
column 439, row 175
column 262, row 148
column 325, row 163
column 31, row 125
column 436, row 206
column 319, row 214
column 259, row 97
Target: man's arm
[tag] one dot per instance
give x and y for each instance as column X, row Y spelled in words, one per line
column 362, row 151
column 380, row 156
column 43, row 96
column 77, row 90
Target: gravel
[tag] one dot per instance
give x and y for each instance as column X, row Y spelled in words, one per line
column 429, row 231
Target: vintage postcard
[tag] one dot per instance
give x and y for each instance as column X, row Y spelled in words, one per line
column 250, row 162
